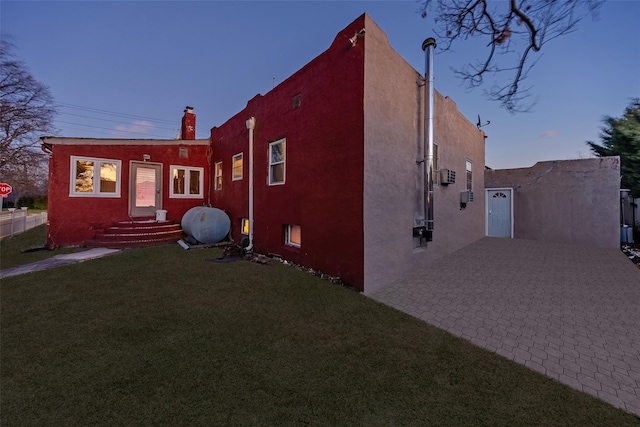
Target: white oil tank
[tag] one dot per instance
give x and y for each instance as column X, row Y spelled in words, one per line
column 205, row 224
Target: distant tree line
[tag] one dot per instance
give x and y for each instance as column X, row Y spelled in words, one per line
column 31, row 202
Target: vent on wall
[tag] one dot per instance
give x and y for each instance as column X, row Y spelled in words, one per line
column 466, row 196
column 295, row 102
column 447, row 176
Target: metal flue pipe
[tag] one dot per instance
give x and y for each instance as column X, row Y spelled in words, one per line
column 428, row 46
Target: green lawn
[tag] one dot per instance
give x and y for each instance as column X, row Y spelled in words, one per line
column 11, row 248
column 167, row 337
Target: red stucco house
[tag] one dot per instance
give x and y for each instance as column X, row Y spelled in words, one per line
column 95, row 182
column 326, row 170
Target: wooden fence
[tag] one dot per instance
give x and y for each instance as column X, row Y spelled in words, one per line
column 629, row 218
column 16, row 221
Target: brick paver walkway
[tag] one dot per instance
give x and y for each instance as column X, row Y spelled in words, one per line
column 571, row 313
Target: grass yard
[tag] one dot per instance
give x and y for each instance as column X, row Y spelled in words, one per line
column 11, row 248
column 162, row 336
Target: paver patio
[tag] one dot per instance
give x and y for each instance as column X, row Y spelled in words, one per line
column 569, row 312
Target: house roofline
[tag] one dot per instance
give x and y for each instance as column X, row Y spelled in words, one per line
column 55, row 140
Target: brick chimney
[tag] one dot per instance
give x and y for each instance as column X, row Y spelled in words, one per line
column 188, row 129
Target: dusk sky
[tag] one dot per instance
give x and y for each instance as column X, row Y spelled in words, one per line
column 128, row 69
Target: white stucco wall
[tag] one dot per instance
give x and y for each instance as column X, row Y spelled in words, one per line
column 566, row 201
column 392, row 178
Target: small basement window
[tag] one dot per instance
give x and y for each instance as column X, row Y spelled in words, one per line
column 293, row 235
column 244, row 226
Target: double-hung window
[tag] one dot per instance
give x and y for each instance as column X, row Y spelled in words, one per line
column 93, row 177
column 218, row 176
column 186, row 182
column 237, row 165
column 277, row 159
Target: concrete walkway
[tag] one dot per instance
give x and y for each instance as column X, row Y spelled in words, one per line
column 569, row 312
column 57, row 261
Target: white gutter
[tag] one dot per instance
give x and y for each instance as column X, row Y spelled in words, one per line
column 251, row 124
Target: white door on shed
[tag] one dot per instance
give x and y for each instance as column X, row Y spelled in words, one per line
column 499, row 213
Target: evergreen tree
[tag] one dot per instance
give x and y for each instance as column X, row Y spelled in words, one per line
column 621, row 137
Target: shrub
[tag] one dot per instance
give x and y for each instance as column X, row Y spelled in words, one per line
column 33, row 202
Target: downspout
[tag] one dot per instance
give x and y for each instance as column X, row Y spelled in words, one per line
column 428, row 46
column 251, row 124
column 46, row 148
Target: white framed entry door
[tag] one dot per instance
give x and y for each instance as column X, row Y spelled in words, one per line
column 499, row 212
column 145, row 189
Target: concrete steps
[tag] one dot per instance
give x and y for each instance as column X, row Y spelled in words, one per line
column 135, row 234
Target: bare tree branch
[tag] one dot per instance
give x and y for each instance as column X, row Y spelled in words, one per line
column 26, row 112
column 515, row 30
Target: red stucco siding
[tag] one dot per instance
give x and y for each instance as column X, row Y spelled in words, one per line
column 323, row 192
column 353, row 130
column 70, row 218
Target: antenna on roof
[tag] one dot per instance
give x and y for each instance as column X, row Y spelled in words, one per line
column 479, row 124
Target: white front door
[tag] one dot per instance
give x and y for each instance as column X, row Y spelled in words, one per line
column 499, row 212
column 145, row 189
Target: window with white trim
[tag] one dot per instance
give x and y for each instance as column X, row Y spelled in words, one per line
column 277, row 158
column 293, row 235
column 93, row 177
column 186, row 182
column 218, row 176
column 436, row 167
column 237, row 167
column 244, row 226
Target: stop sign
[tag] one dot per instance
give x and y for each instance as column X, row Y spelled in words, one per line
column 5, row 189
